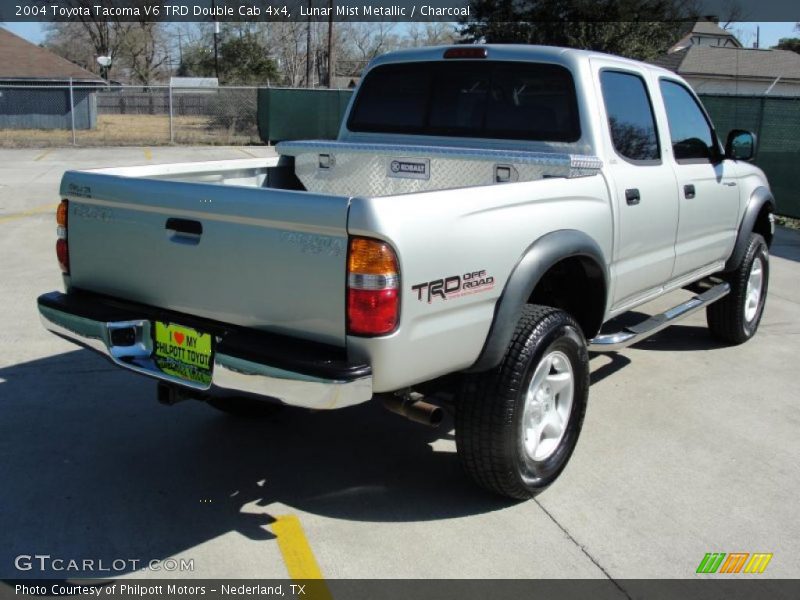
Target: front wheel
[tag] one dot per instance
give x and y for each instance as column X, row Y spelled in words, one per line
column 736, row 317
column 517, row 424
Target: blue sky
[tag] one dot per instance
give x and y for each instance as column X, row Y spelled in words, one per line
column 770, row 32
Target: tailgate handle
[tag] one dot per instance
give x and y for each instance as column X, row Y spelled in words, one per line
column 184, row 230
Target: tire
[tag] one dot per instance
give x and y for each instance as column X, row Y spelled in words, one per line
column 500, row 412
column 244, row 407
column 736, row 317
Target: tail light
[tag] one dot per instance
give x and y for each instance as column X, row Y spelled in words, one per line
column 373, row 288
column 62, row 247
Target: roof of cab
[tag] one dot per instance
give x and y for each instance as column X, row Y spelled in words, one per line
column 553, row 54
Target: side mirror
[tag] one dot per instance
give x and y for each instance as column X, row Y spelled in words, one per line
column 741, row 145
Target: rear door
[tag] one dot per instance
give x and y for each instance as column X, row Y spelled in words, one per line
column 643, row 189
column 707, row 184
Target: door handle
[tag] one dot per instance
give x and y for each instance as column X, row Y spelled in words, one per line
column 184, row 231
column 632, row 196
column 688, row 191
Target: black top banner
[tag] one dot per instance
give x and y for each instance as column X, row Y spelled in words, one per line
column 236, row 10
column 394, row 10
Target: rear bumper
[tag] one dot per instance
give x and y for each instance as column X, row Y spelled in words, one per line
column 294, row 372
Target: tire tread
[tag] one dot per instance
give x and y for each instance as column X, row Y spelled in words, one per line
column 486, row 407
column 725, row 317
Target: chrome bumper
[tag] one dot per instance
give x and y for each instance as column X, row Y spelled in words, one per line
column 231, row 374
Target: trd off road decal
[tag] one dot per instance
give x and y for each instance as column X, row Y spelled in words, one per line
column 454, row 286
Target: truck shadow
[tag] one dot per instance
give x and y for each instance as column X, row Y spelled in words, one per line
column 786, row 244
column 93, row 467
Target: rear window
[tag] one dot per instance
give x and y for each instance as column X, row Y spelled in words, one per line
column 504, row 100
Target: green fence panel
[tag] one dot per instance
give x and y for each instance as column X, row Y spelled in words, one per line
column 776, row 122
column 298, row 114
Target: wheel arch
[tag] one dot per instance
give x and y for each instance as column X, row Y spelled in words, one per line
column 757, row 218
column 553, row 258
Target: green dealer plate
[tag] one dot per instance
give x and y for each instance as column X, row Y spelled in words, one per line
column 183, row 352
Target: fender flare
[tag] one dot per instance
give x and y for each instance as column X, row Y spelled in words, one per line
column 760, row 197
column 537, row 259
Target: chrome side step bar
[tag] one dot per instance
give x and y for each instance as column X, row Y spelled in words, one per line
column 611, row 342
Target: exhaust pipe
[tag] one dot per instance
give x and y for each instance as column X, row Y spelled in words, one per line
column 414, row 408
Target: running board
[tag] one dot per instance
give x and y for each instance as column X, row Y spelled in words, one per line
column 611, row 342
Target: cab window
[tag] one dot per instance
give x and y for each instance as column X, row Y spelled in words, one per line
column 630, row 116
column 691, row 134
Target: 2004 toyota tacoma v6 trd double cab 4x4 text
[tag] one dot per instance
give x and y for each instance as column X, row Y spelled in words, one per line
column 483, row 212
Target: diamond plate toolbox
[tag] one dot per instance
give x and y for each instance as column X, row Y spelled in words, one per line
column 354, row 169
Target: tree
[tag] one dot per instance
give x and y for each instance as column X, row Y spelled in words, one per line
column 639, row 29
column 361, row 42
column 143, row 51
column 242, row 60
column 137, row 47
column 434, row 33
column 792, row 44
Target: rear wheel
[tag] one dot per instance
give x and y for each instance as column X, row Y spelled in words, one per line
column 735, row 318
column 517, row 424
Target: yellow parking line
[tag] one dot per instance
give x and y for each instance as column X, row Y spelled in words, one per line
column 298, row 557
column 148, row 154
column 28, row 213
column 43, row 154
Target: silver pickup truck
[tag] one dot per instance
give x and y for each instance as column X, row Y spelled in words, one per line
column 483, row 213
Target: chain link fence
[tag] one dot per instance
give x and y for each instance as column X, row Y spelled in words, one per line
column 55, row 113
column 91, row 115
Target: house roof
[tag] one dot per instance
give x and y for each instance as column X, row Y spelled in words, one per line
column 710, row 28
column 705, row 29
column 736, row 63
column 671, row 60
column 23, row 60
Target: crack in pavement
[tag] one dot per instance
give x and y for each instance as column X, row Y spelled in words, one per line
column 771, row 293
column 583, row 549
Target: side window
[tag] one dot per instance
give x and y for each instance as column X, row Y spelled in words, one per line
column 630, row 116
column 690, row 131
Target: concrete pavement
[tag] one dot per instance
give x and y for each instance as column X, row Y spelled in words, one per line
column 687, row 448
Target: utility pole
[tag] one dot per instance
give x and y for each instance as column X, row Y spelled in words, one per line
column 331, row 59
column 216, row 36
column 308, row 47
column 180, row 47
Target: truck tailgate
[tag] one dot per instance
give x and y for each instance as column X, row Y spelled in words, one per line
column 263, row 258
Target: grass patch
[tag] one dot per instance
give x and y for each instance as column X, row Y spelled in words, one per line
column 122, row 130
column 789, row 222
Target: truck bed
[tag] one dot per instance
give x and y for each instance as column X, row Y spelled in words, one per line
column 261, row 243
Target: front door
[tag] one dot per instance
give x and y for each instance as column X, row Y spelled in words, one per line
column 707, row 184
